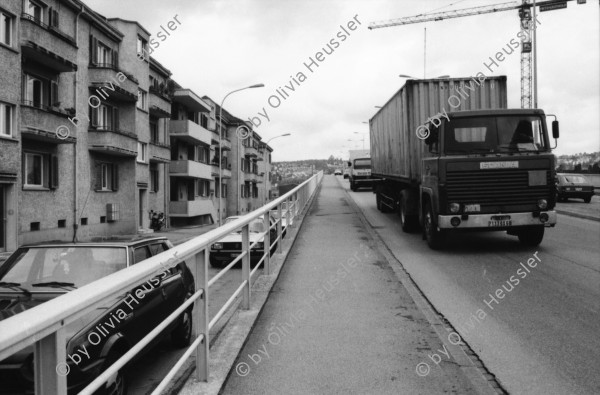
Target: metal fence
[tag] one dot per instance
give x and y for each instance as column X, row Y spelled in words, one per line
column 43, row 326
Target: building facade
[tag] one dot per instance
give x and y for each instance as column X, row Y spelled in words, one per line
column 95, row 134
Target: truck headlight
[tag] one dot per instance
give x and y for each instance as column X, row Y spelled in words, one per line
column 542, row 204
column 217, row 246
column 454, row 208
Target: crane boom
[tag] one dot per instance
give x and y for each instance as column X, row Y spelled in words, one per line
column 438, row 16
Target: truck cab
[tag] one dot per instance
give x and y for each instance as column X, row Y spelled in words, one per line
column 359, row 173
column 488, row 170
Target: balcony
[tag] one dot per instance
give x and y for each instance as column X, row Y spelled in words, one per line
column 116, row 143
column 114, row 83
column 158, row 105
column 46, row 124
column 251, row 152
column 159, row 153
column 225, row 141
column 226, row 171
column 189, row 132
column 192, row 208
column 190, row 100
column 190, row 169
column 40, row 44
column 251, row 177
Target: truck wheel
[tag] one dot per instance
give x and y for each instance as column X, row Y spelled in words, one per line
column 352, row 186
column 531, row 236
column 435, row 238
column 408, row 222
column 587, row 199
column 378, row 201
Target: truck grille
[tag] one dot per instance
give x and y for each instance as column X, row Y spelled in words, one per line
column 496, row 187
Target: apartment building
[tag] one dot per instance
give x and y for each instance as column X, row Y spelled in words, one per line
column 95, row 134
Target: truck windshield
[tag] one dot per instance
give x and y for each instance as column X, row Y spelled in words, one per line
column 495, row 134
column 362, row 164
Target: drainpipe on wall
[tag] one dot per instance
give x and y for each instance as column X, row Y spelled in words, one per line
column 75, row 224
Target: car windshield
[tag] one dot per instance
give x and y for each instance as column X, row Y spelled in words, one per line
column 495, row 134
column 36, row 266
column 362, row 164
column 576, row 179
column 256, row 226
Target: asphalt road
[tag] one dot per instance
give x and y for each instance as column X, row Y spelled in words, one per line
column 542, row 337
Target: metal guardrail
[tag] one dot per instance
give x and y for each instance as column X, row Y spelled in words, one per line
column 44, row 326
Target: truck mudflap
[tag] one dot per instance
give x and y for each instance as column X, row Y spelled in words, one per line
column 499, row 221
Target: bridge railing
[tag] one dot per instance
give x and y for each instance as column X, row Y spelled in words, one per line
column 44, row 326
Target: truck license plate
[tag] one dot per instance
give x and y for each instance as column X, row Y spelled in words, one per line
column 499, row 220
column 579, row 189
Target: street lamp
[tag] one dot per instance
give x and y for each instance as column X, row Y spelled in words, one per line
column 267, row 143
column 221, row 145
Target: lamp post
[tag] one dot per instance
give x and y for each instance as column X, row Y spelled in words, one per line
column 221, row 145
column 363, row 137
column 266, row 144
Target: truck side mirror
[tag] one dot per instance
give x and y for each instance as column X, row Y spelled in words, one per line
column 555, row 129
column 349, row 164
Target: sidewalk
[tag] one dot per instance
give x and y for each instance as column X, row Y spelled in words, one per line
column 576, row 208
column 338, row 320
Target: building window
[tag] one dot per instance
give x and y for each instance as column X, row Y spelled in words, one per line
column 142, row 152
column 40, row 170
column 142, row 48
column 154, row 177
column 104, row 55
column 142, row 102
column 35, row 10
column 107, row 177
column 203, row 188
column 40, row 92
column 202, row 154
column 105, row 117
column 254, row 190
column 154, row 136
column 6, row 119
column 6, row 28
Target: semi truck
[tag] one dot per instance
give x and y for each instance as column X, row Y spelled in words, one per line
column 450, row 156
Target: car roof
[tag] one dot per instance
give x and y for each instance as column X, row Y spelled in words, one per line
column 114, row 241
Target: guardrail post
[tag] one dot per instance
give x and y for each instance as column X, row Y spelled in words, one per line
column 288, row 215
column 279, row 228
column 49, row 359
column 246, row 266
column 267, row 244
column 200, row 314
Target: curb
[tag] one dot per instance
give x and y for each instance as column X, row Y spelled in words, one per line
column 577, row 215
column 235, row 333
column 475, row 372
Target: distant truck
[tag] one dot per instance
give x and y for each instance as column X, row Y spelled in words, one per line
column 477, row 167
column 359, row 173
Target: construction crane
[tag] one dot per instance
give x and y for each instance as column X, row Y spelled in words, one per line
column 527, row 74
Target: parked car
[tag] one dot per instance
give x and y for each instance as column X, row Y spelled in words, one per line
column 284, row 219
column 35, row 274
column 338, row 172
column 230, row 247
column 573, row 186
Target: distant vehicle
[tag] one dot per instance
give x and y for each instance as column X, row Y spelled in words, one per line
column 486, row 169
column 230, row 247
column 360, row 173
column 337, row 172
column 574, row 186
column 35, row 274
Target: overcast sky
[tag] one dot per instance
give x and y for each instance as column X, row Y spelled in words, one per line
column 224, row 45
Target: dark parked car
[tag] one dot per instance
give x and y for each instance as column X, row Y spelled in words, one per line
column 573, row 186
column 230, row 247
column 35, row 274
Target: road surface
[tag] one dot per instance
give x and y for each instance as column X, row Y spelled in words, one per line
column 542, row 337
